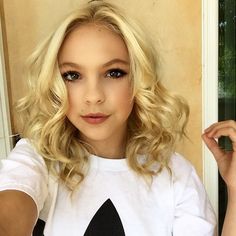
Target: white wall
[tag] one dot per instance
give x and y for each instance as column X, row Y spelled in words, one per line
column 5, row 127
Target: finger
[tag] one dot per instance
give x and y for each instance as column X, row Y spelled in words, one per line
column 218, row 132
column 228, row 132
column 213, row 146
column 221, row 124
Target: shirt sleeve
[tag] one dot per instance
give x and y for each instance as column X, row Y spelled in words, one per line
column 24, row 170
column 193, row 214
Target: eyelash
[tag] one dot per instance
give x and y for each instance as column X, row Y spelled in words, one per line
column 121, row 73
column 71, row 76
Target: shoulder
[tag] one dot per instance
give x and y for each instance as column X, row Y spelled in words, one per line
column 182, row 170
column 24, row 150
column 26, row 171
column 180, row 165
column 185, row 179
column 23, row 159
column 190, row 199
column 23, row 146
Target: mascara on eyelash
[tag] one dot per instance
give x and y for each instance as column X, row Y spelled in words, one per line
column 70, row 74
column 117, row 70
column 74, row 74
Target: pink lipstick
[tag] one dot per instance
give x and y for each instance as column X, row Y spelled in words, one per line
column 95, row 118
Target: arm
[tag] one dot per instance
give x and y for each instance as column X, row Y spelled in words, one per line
column 230, row 218
column 226, row 162
column 18, row 213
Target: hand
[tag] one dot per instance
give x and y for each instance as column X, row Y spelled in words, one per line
column 226, row 160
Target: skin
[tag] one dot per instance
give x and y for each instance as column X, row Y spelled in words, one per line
column 89, row 52
column 226, row 162
column 18, row 213
column 92, row 60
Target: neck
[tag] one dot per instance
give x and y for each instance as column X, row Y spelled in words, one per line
column 112, row 149
column 109, row 150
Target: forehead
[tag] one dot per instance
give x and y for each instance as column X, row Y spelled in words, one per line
column 93, row 38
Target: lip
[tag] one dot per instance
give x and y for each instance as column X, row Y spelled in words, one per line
column 95, row 118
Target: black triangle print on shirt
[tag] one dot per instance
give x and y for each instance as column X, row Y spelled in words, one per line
column 106, row 222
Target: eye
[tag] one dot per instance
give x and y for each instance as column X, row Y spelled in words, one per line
column 71, row 76
column 116, row 73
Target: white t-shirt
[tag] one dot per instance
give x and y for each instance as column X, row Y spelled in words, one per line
column 112, row 200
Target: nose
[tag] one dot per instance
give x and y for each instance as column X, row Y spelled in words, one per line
column 94, row 92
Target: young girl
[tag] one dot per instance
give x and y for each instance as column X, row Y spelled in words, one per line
column 99, row 133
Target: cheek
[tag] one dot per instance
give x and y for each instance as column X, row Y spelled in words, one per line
column 73, row 100
column 124, row 100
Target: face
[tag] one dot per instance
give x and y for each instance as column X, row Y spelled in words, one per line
column 94, row 64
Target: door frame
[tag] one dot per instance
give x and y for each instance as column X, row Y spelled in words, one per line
column 210, row 92
column 5, row 121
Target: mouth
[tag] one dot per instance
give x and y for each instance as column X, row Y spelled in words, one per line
column 95, row 118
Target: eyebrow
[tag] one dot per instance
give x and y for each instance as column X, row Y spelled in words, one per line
column 109, row 63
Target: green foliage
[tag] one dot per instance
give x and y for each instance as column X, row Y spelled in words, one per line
column 227, row 75
column 227, row 48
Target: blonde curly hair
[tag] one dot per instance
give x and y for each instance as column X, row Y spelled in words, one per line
column 157, row 120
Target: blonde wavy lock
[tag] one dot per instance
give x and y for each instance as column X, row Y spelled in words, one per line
column 157, row 121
